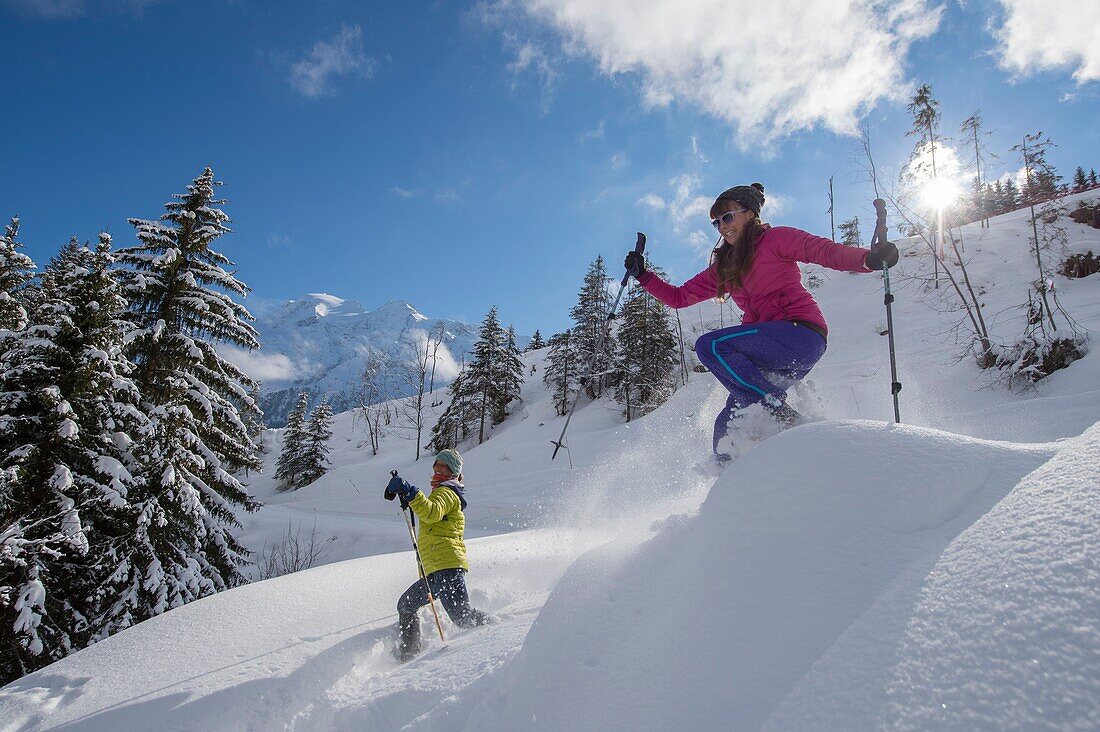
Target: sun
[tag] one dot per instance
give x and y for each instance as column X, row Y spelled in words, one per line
column 940, row 193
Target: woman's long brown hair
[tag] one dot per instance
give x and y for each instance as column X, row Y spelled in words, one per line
column 732, row 261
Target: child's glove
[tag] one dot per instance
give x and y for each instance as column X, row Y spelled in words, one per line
column 398, row 486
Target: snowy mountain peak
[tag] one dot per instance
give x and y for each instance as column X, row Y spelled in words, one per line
column 399, row 309
column 318, row 344
column 329, row 305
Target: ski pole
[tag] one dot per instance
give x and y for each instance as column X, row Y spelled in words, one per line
column 420, row 564
column 879, row 237
column 639, row 247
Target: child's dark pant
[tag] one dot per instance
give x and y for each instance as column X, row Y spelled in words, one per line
column 449, row 587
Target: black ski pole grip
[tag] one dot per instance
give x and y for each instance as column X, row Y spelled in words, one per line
column 640, row 249
column 880, row 222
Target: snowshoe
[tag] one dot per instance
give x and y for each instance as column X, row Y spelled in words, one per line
column 712, row 465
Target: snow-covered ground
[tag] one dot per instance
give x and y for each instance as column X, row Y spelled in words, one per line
column 846, row 574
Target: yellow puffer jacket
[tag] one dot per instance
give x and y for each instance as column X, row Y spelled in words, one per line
column 442, row 525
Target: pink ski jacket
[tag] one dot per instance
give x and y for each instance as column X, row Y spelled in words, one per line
column 772, row 288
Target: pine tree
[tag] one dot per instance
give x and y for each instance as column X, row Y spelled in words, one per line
column 647, row 353
column 1093, row 181
column 67, row 449
column 315, row 447
column 1042, row 179
column 590, row 318
column 1010, row 196
column 176, row 284
column 291, row 465
column 562, row 373
column 1080, row 180
column 536, row 342
column 484, row 377
column 849, row 233
column 453, row 425
column 16, row 270
column 509, row 376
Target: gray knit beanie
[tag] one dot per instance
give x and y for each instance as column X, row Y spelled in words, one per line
column 751, row 197
column 452, row 460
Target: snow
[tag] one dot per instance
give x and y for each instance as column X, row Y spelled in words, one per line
column 318, row 344
column 845, row 574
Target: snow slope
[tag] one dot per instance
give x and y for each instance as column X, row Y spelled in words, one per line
column 847, row 574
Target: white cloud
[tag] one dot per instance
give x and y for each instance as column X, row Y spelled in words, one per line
column 696, row 152
column 531, row 57
column 686, row 207
column 596, row 133
column 421, row 342
column 1040, row 36
column 261, row 366
column 312, row 76
column 769, row 70
column 279, row 241
column 619, row 161
column 406, row 193
column 446, row 367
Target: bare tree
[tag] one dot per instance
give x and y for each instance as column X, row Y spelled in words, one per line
column 972, row 126
column 1041, row 182
column 437, row 338
column 412, row 371
column 374, row 397
column 968, row 299
column 293, row 552
column 926, row 118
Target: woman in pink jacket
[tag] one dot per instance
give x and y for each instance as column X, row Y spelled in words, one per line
column 782, row 332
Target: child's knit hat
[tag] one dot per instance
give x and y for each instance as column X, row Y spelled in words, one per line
column 452, row 460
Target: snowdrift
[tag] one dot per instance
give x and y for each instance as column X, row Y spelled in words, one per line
column 790, row 599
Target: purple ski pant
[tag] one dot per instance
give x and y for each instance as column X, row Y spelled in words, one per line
column 757, row 360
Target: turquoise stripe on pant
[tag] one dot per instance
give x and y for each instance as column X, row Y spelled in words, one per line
column 739, row 356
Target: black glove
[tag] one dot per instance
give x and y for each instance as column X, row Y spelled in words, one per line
column 635, row 265
column 882, row 256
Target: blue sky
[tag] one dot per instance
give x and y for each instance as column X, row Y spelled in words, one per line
column 461, row 155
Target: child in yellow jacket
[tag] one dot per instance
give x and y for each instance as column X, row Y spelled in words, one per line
column 442, row 551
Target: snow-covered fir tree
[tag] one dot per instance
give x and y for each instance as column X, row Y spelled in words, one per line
column 484, row 380
column 315, row 450
column 291, row 465
column 16, row 271
column 198, row 403
column 510, row 376
column 562, row 372
column 647, row 353
column 590, row 318
column 536, row 342
column 67, row 576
